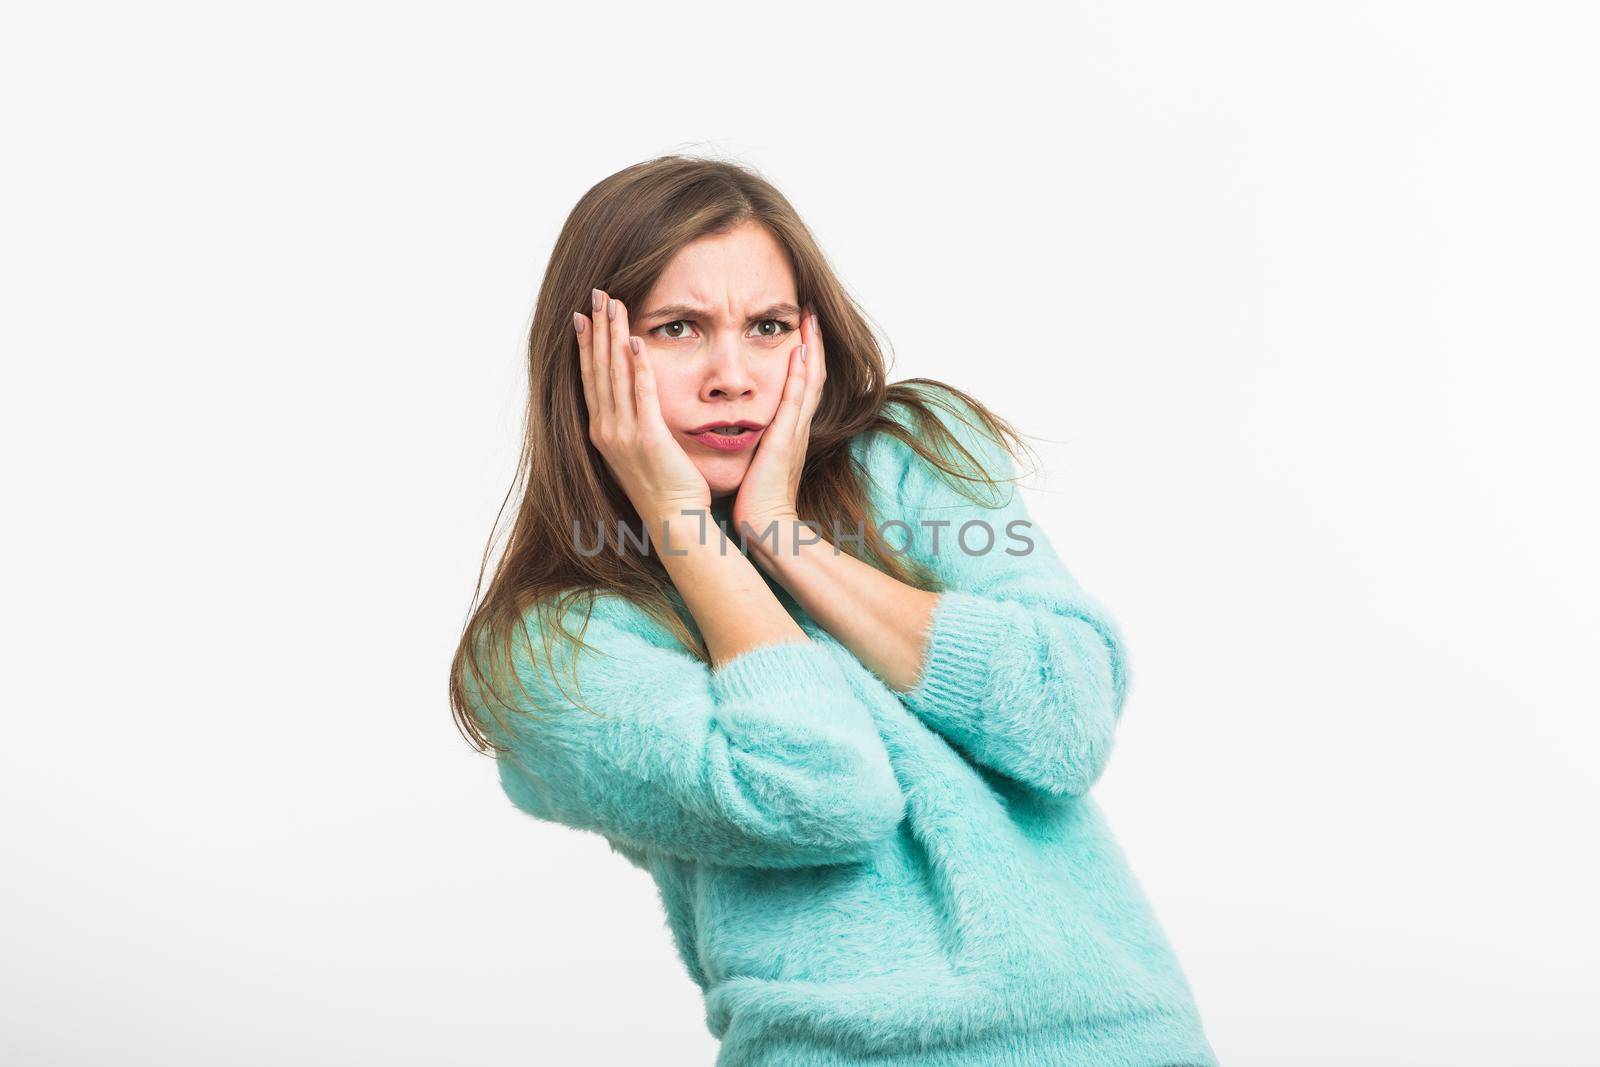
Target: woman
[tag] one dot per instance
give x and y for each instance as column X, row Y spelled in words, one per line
column 852, row 739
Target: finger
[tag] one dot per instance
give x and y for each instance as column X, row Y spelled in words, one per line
column 621, row 367
column 605, row 407
column 816, row 365
column 646, row 401
column 585, row 332
column 792, row 402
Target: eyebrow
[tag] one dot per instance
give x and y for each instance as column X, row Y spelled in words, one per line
column 673, row 312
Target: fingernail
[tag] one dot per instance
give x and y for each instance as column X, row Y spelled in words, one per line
column 577, row 321
column 611, row 309
column 633, row 343
column 596, row 297
column 802, row 353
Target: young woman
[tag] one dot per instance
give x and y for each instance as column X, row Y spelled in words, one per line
column 852, row 737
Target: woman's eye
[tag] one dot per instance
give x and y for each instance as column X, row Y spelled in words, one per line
column 668, row 326
column 785, row 327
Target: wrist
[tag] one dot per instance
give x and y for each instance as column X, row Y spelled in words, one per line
column 758, row 521
column 775, row 538
column 674, row 511
column 673, row 530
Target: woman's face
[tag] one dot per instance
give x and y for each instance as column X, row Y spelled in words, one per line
column 718, row 328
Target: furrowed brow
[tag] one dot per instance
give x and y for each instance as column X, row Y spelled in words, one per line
column 673, row 312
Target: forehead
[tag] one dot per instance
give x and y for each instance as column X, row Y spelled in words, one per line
column 729, row 273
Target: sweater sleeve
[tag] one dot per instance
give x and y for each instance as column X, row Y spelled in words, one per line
column 1022, row 669
column 770, row 760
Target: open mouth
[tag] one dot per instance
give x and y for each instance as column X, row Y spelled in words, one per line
column 727, row 438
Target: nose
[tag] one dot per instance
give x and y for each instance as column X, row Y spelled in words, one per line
column 728, row 375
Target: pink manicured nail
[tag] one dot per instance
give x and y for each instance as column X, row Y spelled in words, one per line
column 633, row 343
column 802, row 353
column 578, row 323
column 611, row 309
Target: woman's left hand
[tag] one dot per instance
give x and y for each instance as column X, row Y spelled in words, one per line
column 772, row 482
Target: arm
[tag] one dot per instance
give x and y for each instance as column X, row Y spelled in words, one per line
column 1014, row 663
column 1023, row 668
column 769, row 760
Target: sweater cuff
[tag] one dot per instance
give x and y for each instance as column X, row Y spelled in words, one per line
column 960, row 646
column 769, row 673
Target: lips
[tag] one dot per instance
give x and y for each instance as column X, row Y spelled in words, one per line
column 747, row 424
column 728, row 440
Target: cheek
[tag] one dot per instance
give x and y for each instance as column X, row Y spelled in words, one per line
column 770, row 380
column 677, row 398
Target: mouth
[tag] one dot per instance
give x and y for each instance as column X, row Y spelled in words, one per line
column 727, row 436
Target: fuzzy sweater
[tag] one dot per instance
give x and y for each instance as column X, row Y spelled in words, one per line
column 854, row 876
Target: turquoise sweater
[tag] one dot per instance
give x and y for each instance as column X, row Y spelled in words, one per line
column 853, row 876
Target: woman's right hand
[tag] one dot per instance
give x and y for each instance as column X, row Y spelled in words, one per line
column 625, row 422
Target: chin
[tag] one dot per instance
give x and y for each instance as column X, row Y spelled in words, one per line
column 723, row 479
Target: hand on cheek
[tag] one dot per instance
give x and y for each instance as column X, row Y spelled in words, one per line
column 772, row 483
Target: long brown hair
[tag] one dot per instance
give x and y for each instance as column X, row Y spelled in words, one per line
column 620, row 238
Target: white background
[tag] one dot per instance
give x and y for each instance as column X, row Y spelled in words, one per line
column 1301, row 298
